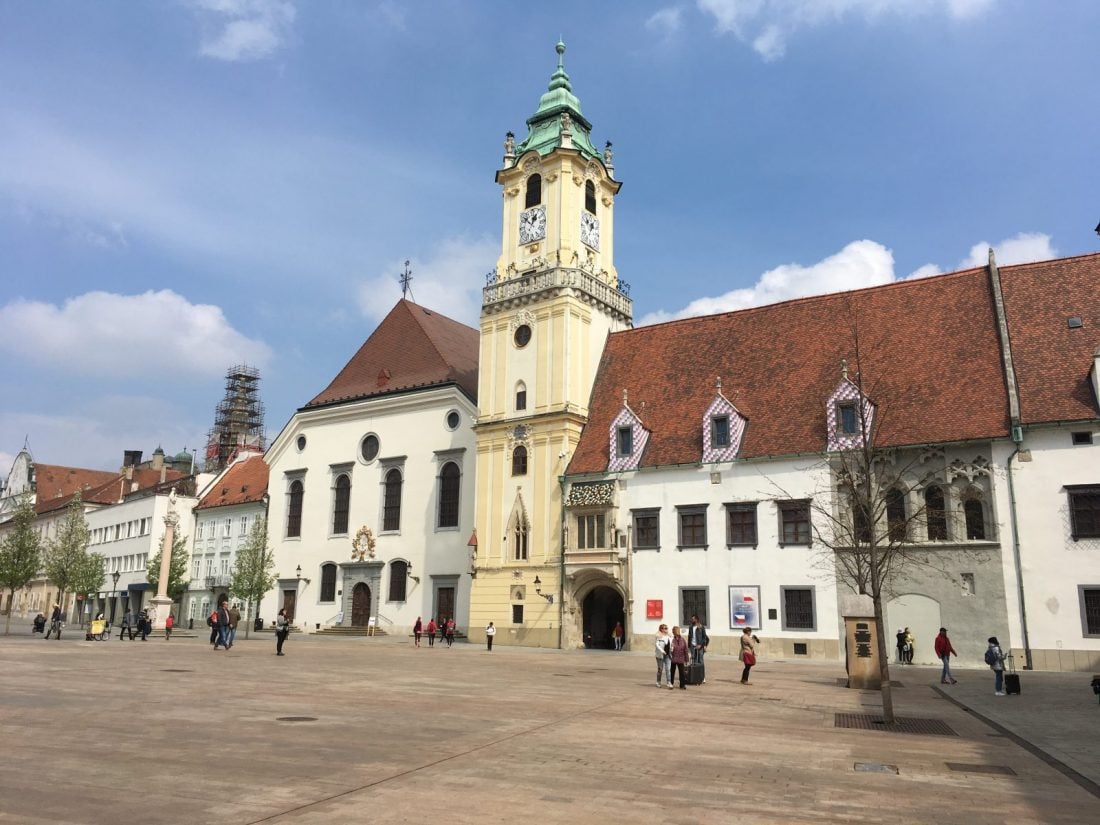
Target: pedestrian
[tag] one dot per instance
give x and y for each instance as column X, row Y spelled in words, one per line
column 680, row 655
column 212, row 623
column 418, row 629
column 945, row 651
column 234, row 620
column 430, row 630
column 127, row 625
column 901, row 646
column 697, row 642
column 747, row 654
column 282, row 630
column 910, row 646
column 617, row 636
column 145, row 624
column 55, row 622
column 222, row 625
column 995, row 658
column 169, row 623
column 490, row 632
column 663, row 651
column 450, row 632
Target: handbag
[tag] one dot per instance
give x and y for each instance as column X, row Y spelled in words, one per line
column 749, row 658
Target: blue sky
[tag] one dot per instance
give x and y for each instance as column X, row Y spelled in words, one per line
column 188, row 185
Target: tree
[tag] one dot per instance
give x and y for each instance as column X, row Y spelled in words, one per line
column 20, row 553
column 177, row 567
column 89, row 576
column 65, row 554
column 253, row 572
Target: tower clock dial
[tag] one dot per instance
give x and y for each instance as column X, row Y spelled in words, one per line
column 590, row 230
column 532, row 224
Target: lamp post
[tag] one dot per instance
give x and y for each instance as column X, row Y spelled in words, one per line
column 538, row 591
column 114, row 593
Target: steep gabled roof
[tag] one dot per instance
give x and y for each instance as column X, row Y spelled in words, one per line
column 242, row 482
column 55, row 481
column 929, row 357
column 110, row 489
column 1051, row 359
column 412, row 348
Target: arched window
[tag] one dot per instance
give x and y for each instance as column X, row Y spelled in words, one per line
column 391, row 506
column 519, row 540
column 519, row 461
column 328, row 582
column 341, row 504
column 399, row 575
column 294, row 510
column 534, row 191
column 975, row 519
column 590, row 197
column 861, row 525
column 449, row 478
column 895, row 514
column 521, row 396
column 935, row 514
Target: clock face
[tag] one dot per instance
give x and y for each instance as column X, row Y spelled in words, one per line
column 590, row 230
column 532, row 224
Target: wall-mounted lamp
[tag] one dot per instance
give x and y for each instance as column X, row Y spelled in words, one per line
column 538, row 590
column 299, row 574
column 409, row 573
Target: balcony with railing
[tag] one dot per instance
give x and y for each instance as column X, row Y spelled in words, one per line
column 524, row 287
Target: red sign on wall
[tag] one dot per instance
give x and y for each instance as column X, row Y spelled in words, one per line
column 655, row 609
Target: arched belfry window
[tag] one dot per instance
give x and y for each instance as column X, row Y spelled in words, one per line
column 895, row 514
column 521, row 396
column 590, row 197
column 935, row 513
column 294, row 510
column 534, row 191
column 519, row 461
column 341, row 505
column 391, row 505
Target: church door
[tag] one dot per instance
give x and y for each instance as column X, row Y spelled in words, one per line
column 445, row 603
column 360, row 605
column 290, row 602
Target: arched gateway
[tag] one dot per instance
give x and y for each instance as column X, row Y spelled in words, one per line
column 602, row 608
column 360, row 605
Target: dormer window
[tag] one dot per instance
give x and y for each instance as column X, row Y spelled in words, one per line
column 846, row 417
column 534, row 191
column 625, row 440
column 720, row 431
column 590, row 197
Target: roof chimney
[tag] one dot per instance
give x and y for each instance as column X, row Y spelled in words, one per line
column 130, row 459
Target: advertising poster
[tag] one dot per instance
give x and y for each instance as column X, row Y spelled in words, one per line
column 744, row 607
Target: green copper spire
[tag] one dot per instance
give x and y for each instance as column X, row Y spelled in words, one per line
column 545, row 126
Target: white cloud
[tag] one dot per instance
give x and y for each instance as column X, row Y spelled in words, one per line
column 665, row 22
column 104, row 334
column 1021, row 249
column 238, row 30
column 767, row 24
column 925, row 271
column 448, row 282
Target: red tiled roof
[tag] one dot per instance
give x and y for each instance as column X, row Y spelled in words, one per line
column 54, row 481
column 243, row 482
column 413, row 347
column 929, row 356
column 1052, row 360
column 110, row 487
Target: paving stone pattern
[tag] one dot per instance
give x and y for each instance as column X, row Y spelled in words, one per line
column 167, row 732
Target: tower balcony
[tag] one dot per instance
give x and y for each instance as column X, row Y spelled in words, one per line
column 509, row 292
column 605, row 560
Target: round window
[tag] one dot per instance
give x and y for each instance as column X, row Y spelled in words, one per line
column 301, row 442
column 453, row 420
column 369, row 448
column 522, row 336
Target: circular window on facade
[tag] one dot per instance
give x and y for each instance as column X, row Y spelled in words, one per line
column 522, row 336
column 369, row 448
column 301, row 442
column 453, row 420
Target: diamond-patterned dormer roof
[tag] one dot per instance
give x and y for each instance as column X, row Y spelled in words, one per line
column 545, row 125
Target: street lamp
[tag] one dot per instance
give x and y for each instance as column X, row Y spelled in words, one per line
column 299, row 574
column 538, row 591
column 114, row 601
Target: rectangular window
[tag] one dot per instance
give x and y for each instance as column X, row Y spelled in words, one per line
column 1080, row 439
column 517, row 614
column 741, row 524
column 591, row 532
column 846, row 417
column 626, row 440
column 647, row 529
column 225, row 566
column 227, row 528
column 720, row 431
column 244, row 525
column 198, row 529
column 794, row 522
column 1084, row 511
column 198, row 568
column 1090, row 609
column 798, row 608
column 521, row 399
column 693, row 602
column 693, row 525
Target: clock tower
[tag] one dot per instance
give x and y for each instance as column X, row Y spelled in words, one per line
column 546, row 312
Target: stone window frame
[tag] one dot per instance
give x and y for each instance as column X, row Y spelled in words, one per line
column 789, row 506
column 397, row 589
column 742, row 507
column 325, row 567
column 1082, row 600
column 691, row 510
column 385, row 467
column 783, row 590
column 338, row 471
column 291, row 478
column 702, row 611
column 1076, row 493
column 645, row 512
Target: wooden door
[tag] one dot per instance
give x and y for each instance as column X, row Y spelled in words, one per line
column 445, row 603
column 360, row 605
column 290, row 599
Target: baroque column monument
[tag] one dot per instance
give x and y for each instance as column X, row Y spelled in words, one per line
column 162, row 602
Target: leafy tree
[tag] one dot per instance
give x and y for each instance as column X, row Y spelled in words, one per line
column 65, row 553
column 177, row 567
column 253, row 572
column 90, row 575
column 20, row 553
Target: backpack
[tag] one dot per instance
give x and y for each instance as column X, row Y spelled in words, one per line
column 209, row 621
column 990, row 657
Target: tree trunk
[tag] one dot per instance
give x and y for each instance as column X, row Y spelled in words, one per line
column 248, row 621
column 7, row 622
column 883, row 660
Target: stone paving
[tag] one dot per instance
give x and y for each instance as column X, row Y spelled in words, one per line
column 172, row 732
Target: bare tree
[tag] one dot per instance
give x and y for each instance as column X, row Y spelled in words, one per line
column 20, row 553
column 65, row 554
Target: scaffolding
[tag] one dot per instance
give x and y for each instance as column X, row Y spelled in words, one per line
column 238, row 419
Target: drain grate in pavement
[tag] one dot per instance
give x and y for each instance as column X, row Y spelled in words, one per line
column 842, row 682
column 875, row 767
column 175, row 670
column 962, row 767
column 295, row 718
column 867, row 721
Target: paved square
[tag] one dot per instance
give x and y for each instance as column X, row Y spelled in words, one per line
column 156, row 732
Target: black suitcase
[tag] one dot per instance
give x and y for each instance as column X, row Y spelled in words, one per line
column 695, row 673
column 1012, row 683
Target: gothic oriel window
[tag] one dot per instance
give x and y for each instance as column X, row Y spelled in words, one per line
column 328, row 582
column 974, row 514
column 590, row 197
column 449, row 478
column 294, row 510
column 895, row 514
column 391, row 505
column 519, row 461
column 341, row 504
column 591, row 531
column 534, row 191
column 935, row 514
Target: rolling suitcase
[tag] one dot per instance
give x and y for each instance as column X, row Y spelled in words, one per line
column 696, row 672
column 1012, row 678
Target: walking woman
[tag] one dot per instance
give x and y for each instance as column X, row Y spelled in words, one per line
column 679, row 658
column 418, row 629
column 747, row 654
column 430, row 630
column 282, row 630
column 663, row 650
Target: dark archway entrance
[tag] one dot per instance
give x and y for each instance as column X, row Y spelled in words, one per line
column 360, row 605
column 602, row 609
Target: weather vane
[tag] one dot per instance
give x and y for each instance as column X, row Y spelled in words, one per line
column 406, row 281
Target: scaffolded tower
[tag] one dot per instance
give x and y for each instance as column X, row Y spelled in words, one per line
column 238, row 419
